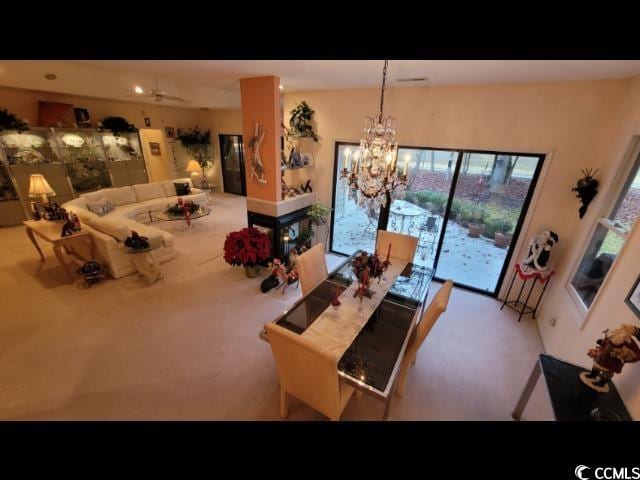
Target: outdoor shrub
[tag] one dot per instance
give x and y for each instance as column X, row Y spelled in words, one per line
column 410, row 197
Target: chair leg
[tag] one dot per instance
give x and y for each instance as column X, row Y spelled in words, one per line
column 357, row 394
column 413, row 362
column 284, row 403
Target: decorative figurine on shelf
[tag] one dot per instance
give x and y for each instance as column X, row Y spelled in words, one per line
column 586, row 189
column 609, row 356
column 306, row 187
column 540, row 246
column 257, row 168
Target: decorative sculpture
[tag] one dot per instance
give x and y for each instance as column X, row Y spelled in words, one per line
column 609, row 356
column 257, row 168
column 539, row 252
column 586, row 189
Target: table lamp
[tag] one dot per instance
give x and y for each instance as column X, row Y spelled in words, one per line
column 39, row 187
column 194, row 168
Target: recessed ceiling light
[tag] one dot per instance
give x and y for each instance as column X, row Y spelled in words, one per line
column 281, row 87
column 50, row 76
column 138, row 89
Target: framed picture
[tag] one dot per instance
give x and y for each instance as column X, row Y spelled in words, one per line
column 147, row 122
column 155, row 148
column 633, row 299
column 170, row 132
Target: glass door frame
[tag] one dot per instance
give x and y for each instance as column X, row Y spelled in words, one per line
column 243, row 176
column 454, row 179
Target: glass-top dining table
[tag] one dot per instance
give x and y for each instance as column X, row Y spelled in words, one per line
column 372, row 362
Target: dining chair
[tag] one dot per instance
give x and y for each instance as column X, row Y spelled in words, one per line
column 403, row 247
column 437, row 306
column 308, row 373
column 312, row 268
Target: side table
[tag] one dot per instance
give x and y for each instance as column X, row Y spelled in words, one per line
column 517, row 305
column 146, row 263
column 52, row 232
column 570, row 398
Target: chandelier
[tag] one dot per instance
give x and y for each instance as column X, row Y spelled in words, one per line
column 374, row 169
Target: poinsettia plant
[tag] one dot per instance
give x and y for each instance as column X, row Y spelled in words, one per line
column 247, row 247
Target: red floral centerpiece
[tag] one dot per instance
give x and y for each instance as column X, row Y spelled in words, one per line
column 248, row 247
column 366, row 267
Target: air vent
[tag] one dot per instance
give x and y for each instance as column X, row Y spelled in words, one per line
column 413, row 79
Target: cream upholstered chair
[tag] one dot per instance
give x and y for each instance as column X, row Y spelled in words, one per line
column 307, row 373
column 437, row 306
column 403, row 247
column 312, row 268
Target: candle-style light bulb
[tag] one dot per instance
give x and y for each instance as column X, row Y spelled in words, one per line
column 406, row 163
column 347, row 154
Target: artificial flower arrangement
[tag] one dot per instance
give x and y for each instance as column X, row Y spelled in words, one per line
column 248, row 247
column 181, row 207
column 137, row 242
column 367, row 267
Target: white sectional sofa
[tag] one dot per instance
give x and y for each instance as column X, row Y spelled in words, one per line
column 134, row 209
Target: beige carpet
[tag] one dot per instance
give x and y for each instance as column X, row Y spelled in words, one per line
column 187, row 347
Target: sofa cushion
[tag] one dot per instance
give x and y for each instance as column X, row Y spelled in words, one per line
column 123, row 196
column 149, row 191
column 100, row 207
column 95, row 196
column 112, row 227
column 75, row 203
column 157, row 204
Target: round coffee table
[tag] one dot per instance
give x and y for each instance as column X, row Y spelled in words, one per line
column 171, row 217
column 146, row 263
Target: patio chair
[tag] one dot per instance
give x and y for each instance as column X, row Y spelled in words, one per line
column 428, row 234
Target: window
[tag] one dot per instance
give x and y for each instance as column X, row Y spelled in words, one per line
column 608, row 238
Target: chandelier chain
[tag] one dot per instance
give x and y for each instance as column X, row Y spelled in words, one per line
column 384, row 81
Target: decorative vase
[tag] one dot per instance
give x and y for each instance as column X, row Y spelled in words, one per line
column 475, row 229
column 502, row 240
column 252, row 272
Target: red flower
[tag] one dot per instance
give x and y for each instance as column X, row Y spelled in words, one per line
column 247, row 247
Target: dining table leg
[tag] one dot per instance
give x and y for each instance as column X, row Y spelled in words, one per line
column 528, row 390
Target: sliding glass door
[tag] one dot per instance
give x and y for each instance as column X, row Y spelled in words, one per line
column 465, row 208
column 490, row 196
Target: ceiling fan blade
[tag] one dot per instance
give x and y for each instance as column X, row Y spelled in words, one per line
column 176, row 99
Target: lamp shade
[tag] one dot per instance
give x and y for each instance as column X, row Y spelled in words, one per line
column 39, row 186
column 193, row 166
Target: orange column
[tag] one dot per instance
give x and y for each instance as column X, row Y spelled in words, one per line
column 261, row 104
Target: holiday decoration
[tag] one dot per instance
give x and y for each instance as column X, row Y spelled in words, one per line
column 248, row 247
column 586, row 189
column 367, row 267
column 539, row 251
column 181, row 207
column 609, row 356
column 137, row 242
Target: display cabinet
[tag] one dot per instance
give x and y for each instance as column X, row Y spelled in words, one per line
column 73, row 161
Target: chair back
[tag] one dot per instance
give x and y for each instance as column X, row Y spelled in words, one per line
column 403, row 247
column 437, row 306
column 307, row 373
column 312, row 268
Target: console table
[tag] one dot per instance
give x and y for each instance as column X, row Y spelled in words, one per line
column 52, row 232
column 570, row 398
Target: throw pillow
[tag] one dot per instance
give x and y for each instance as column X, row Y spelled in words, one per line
column 100, row 207
column 182, row 189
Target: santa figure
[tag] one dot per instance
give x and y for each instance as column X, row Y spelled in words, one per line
column 539, row 252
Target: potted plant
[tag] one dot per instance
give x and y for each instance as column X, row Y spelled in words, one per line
column 502, row 237
column 248, row 247
column 318, row 215
column 476, row 223
column 117, row 125
column 198, row 143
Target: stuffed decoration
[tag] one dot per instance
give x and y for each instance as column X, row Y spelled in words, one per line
column 610, row 354
column 539, row 252
column 586, row 189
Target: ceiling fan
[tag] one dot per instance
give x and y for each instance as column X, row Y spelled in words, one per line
column 159, row 95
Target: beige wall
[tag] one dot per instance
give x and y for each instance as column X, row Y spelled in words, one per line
column 578, row 124
column 24, row 103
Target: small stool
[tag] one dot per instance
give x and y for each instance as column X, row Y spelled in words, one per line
column 522, row 307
